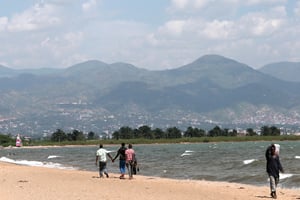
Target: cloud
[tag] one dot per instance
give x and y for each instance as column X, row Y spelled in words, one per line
column 189, row 4
column 263, row 24
column 264, row 2
column 37, row 17
column 218, row 29
column 297, row 9
column 174, row 27
column 59, row 33
column 88, row 5
column 3, row 23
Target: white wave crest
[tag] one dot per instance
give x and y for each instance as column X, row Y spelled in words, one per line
column 297, row 157
column 187, row 153
column 4, row 159
column 53, row 156
column 284, row 176
column 35, row 163
column 247, row 162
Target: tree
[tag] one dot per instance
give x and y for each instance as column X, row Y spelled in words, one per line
column 265, row 131
column 173, row 133
column 274, row 131
column 216, row 131
column 6, row 140
column 158, row 133
column 70, row 137
column 126, row 132
column 233, row 132
column 92, row 136
column 194, row 132
column 137, row 133
column 116, row 135
column 250, row 132
column 189, row 132
column 200, row 132
column 77, row 135
column 146, row 132
column 58, row 136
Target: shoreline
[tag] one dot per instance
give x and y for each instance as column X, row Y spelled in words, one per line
column 219, row 139
column 35, row 183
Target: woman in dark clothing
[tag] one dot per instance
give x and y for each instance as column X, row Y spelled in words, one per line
column 273, row 168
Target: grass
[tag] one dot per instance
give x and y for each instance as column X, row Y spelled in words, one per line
column 170, row 141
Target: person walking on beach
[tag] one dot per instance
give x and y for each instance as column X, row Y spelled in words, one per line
column 101, row 156
column 273, row 168
column 122, row 160
column 130, row 160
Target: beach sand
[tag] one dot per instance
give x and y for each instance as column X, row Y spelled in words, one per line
column 38, row 183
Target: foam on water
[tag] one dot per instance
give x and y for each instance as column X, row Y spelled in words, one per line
column 247, row 162
column 35, row 163
column 284, row 176
column 297, row 157
column 53, row 156
column 187, row 153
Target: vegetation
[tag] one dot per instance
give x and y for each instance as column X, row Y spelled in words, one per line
column 6, row 140
column 146, row 135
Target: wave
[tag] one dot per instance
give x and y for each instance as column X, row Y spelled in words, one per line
column 36, row 163
column 247, row 162
column 297, row 157
column 284, row 176
column 187, row 153
column 53, row 156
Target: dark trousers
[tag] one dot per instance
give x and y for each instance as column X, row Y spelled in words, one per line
column 129, row 166
column 102, row 169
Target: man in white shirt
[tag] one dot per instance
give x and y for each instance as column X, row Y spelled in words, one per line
column 101, row 157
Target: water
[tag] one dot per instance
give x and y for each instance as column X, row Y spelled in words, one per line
column 240, row 162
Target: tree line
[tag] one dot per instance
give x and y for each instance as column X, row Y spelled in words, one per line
column 146, row 132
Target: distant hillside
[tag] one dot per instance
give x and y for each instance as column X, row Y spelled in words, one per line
column 96, row 96
column 6, row 72
column 288, row 71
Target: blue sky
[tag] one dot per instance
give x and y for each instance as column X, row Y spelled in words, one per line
column 155, row 35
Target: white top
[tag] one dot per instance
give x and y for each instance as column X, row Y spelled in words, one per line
column 277, row 148
column 102, row 154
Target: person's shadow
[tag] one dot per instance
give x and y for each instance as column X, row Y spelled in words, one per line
column 268, row 197
column 264, row 197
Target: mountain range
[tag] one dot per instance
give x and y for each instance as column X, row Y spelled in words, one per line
column 101, row 97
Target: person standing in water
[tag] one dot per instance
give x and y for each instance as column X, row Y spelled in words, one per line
column 18, row 141
column 273, row 168
column 101, row 156
column 122, row 160
column 130, row 160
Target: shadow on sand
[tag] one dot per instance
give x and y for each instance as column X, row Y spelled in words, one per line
column 264, row 197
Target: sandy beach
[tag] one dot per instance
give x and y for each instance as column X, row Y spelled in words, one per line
column 37, row 183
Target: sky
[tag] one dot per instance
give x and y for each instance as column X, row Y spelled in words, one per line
column 152, row 34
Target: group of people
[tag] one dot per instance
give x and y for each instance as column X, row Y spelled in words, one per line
column 126, row 156
column 127, row 159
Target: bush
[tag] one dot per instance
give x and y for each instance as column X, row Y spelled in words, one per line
column 6, row 140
